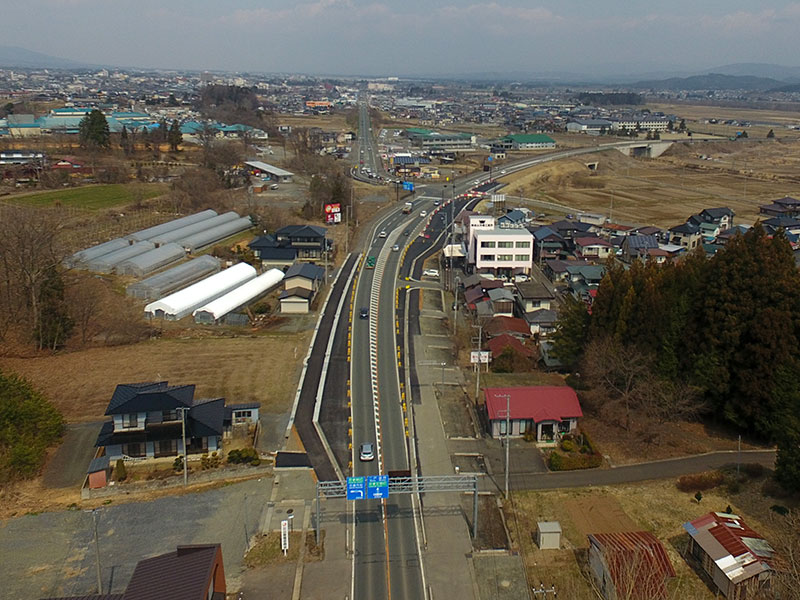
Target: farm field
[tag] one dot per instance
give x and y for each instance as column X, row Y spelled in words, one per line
column 664, row 191
column 241, row 369
column 658, row 507
column 92, row 197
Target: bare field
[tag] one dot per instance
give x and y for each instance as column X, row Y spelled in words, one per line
column 242, row 369
column 657, row 507
column 665, row 191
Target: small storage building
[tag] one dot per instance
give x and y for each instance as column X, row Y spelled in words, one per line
column 182, row 303
column 548, row 535
column 98, row 472
column 296, row 301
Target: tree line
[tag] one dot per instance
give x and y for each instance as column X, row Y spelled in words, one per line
column 717, row 337
column 610, row 98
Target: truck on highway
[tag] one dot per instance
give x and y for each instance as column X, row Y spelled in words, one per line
column 408, row 207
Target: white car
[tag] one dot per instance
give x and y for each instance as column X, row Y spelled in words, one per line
column 423, row 213
column 431, row 272
column 503, row 172
column 382, row 234
column 366, row 452
column 395, row 248
column 476, row 182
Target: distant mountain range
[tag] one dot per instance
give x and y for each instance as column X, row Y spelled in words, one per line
column 712, row 81
column 15, row 57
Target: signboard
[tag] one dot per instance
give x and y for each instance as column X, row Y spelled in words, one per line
column 333, row 213
column 284, row 536
column 481, row 356
column 408, row 186
column 489, row 158
column 356, row 488
column 378, row 486
column 498, row 198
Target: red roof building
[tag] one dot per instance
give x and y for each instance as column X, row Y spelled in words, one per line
column 507, row 325
column 631, row 565
column 738, row 559
column 498, row 344
column 550, row 411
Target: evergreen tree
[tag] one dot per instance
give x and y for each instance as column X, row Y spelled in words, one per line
column 93, row 130
column 572, row 331
column 123, row 140
column 771, row 134
column 54, row 325
column 175, row 136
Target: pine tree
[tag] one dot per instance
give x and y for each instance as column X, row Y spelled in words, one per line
column 93, row 130
column 572, row 331
column 175, row 136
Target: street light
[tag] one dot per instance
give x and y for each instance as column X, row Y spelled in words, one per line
column 96, row 550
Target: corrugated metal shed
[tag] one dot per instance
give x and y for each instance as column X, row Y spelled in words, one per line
column 178, row 235
column 209, row 236
column 174, row 279
column 182, row 303
column 244, row 294
column 146, row 263
column 107, row 262
column 79, row 259
column 151, row 232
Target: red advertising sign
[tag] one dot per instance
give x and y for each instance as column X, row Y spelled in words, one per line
column 333, row 213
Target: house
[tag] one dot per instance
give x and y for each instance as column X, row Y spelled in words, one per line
column 589, row 126
column 512, row 219
column 686, row 235
column 548, row 245
column 502, row 251
column 593, row 248
column 569, row 230
column 304, row 275
column 784, row 207
column 502, row 302
column 548, row 411
column 532, row 295
column 296, row 301
column 722, row 217
column 729, row 234
column 239, row 415
column 497, row 345
column 583, row 280
column 147, row 421
column 631, row 565
column 189, row 573
column 521, row 141
column 556, row 269
column 774, row 224
column 271, row 254
column 739, row 561
column 541, row 322
column 506, row 326
column 308, row 240
column 638, row 246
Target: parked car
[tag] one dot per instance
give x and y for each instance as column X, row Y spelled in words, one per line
column 274, row 186
column 521, row 278
column 431, row 272
column 367, row 452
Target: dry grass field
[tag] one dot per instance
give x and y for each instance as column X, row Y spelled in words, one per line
column 242, row 369
column 665, row 191
column 658, row 507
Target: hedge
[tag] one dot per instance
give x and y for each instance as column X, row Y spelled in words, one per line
column 573, row 462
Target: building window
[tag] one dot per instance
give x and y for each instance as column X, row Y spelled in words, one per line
column 503, row 427
column 505, row 256
column 133, row 449
column 505, row 244
column 487, row 257
column 523, row 244
column 169, row 415
column 523, row 257
column 130, row 421
column 166, row 447
column 487, row 244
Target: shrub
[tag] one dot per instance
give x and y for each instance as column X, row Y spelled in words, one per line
column 774, row 489
column 700, row 481
column 529, row 436
column 243, row 455
column 177, row 464
column 781, row 510
column 698, row 496
column 568, row 445
column 255, row 462
column 733, row 486
column 573, row 462
column 753, row 470
column 209, row 462
column 120, row 472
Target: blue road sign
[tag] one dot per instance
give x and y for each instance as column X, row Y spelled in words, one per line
column 489, row 159
column 356, row 488
column 378, row 486
column 408, row 186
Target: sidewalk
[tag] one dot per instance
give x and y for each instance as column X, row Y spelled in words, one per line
column 448, row 546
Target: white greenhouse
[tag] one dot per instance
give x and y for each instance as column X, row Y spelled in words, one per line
column 146, row 263
column 151, row 232
column 175, row 278
column 178, row 235
column 184, row 302
column 204, row 238
column 107, row 262
column 238, row 297
column 79, row 259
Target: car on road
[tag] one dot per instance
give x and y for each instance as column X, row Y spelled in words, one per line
column 395, row 248
column 423, row 213
column 367, row 452
column 503, row 172
column 370, row 262
column 363, row 313
column 476, row 182
column 436, row 202
column 274, row 186
column 407, row 232
column 431, row 272
column 382, row 234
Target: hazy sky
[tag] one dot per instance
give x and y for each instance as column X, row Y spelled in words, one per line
column 408, row 37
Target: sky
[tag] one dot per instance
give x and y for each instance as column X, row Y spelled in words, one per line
column 412, row 37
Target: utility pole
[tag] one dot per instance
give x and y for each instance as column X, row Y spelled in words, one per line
column 508, row 435
column 183, row 410
column 97, row 552
column 478, row 364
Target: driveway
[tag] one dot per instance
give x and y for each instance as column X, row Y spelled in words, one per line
column 68, row 466
column 53, row 554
